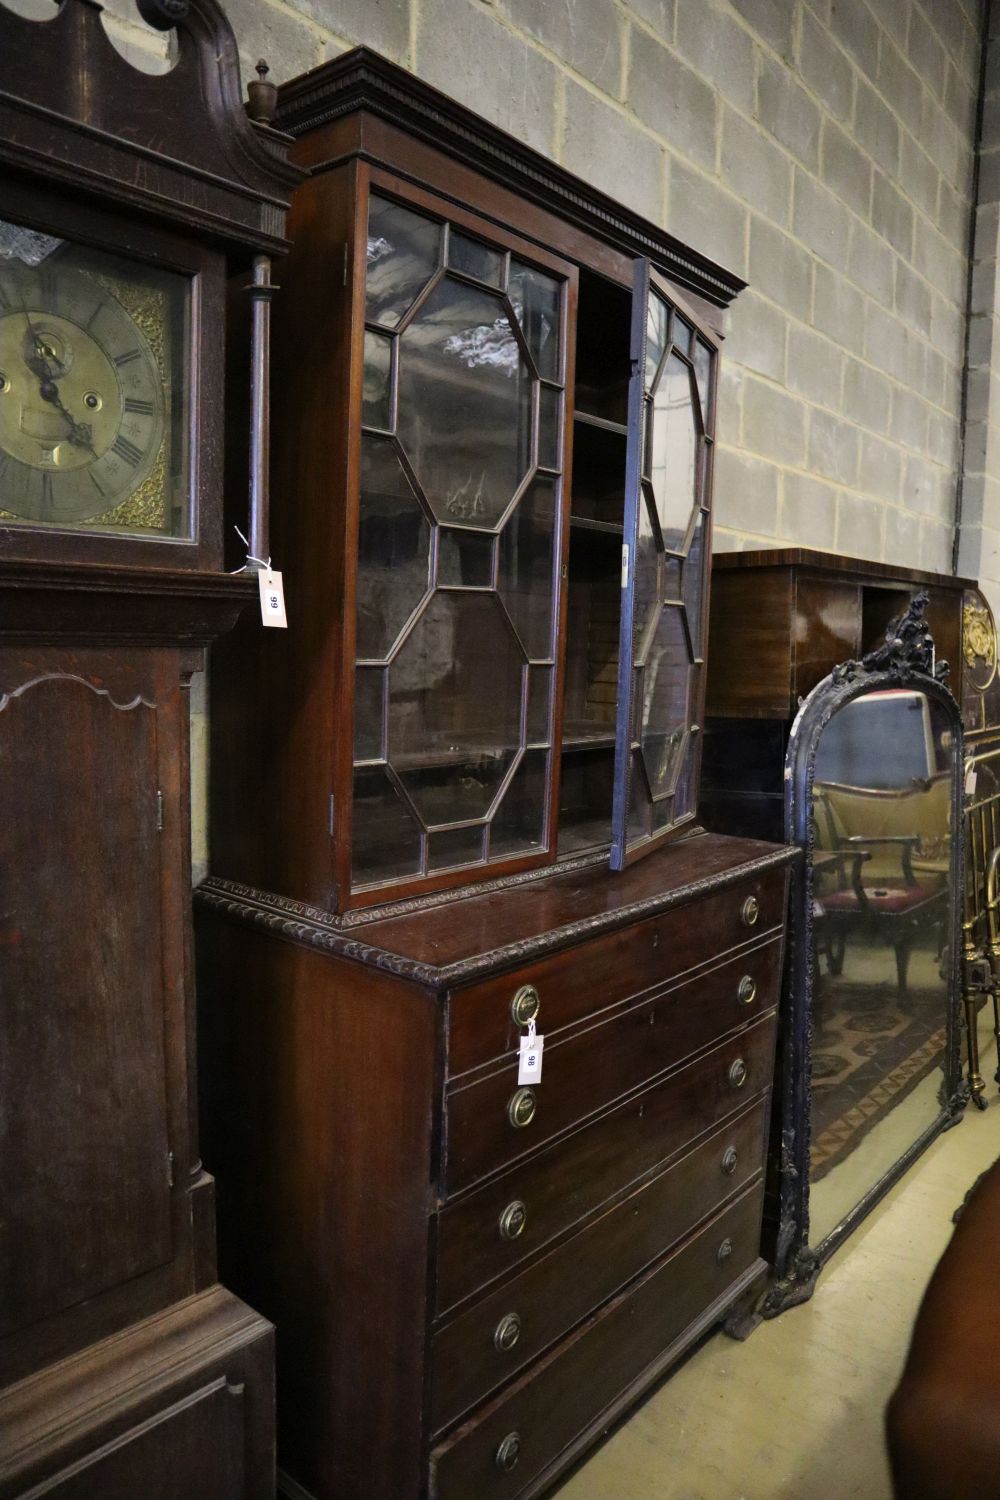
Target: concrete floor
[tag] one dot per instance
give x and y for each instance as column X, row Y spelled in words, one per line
column 795, row 1413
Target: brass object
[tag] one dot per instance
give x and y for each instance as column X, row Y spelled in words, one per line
column 724, row 1251
column 521, row 1108
column 507, row 1332
column 737, row 1074
column 508, row 1452
column 746, row 994
column 513, row 1219
column 750, row 911
column 525, row 1005
column 729, row 1159
column 979, row 644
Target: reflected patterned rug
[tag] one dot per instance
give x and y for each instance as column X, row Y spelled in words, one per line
column 871, row 1047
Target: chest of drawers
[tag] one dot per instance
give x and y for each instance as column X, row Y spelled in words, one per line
column 471, row 1279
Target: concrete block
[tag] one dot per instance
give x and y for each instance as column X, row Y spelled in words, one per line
column 936, row 539
column 855, row 28
column 288, row 44
column 834, row 447
column 825, row 69
column 509, row 82
column 908, row 419
column 755, row 168
column 948, row 328
column 953, row 214
column 809, row 511
column 745, row 492
column 925, row 52
column 942, row 437
column 820, row 219
column 839, row 309
column 942, row 384
column 916, row 364
column 960, row 100
column 970, row 560
column 950, row 152
column 774, row 423
column 982, row 340
column 382, row 24
column 757, row 336
column 918, row 176
column 787, row 112
column 898, row 83
column 912, row 298
column 943, row 265
column 985, row 286
column 658, row 14
column 588, row 39
column 881, row 469
column 846, row 169
column 989, row 175
column 978, row 441
column 872, row 264
column 922, row 487
column 859, row 527
column 781, row 268
column 772, row 20
column 986, row 243
column 892, row 215
column 718, row 48
column 815, row 367
column 672, row 100
column 867, row 396
column 958, row 36
column 887, row 341
column 729, row 416
column 704, row 214
column 902, row 538
column 876, row 128
column 605, row 148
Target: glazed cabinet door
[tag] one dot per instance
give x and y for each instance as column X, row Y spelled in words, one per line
column 664, row 570
column 459, row 527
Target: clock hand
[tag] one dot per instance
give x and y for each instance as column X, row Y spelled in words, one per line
column 80, row 433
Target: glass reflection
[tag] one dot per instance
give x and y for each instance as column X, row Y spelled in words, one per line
column 403, row 252
column 881, row 810
column 672, row 458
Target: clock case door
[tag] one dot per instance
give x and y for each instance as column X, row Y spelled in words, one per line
column 665, row 570
column 97, row 228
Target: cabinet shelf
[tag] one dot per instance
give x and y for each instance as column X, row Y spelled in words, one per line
column 588, row 736
column 587, row 523
column 588, row 419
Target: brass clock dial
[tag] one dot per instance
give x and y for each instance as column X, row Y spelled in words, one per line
column 81, row 396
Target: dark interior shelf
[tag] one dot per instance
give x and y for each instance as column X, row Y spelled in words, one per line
column 589, row 420
column 586, row 523
column 584, row 734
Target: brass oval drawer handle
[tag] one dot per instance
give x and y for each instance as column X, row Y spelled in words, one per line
column 750, row 911
column 746, row 993
column 521, row 1108
column 508, row 1452
column 737, row 1074
column 507, row 1332
column 729, row 1159
column 513, row 1219
column 525, row 1005
column 724, row 1251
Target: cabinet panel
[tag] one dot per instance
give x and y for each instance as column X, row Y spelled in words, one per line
column 84, row 1165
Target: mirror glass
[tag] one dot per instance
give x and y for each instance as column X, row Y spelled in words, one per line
column 882, row 883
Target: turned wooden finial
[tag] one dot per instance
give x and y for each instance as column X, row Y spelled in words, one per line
column 262, row 97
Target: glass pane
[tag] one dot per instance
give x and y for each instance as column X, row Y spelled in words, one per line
column 519, row 824
column 393, row 549
column 646, row 567
column 657, row 326
column 537, row 299
column 455, row 689
column 385, row 840
column 527, row 560
column 464, row 407
column 639, row 806
column 586, row 792
column 550, row 405
column 671, row 583
column 403, row 253
column 694, row 582
column 681, row 334
column 674, row 451
column 465, row 559
column 369, row 687
column 665, row 693
column 703, row 376
column 539, row 691
column 474, row 258
column 376, row 399
column 455, row 846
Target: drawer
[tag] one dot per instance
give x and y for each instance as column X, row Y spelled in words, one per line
column 587, row 1069
column 501, row 1453
column 567, row 1181
column 607, row 970
column 502, row 1332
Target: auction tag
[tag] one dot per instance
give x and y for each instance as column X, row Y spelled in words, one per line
column 529, row 1069
column 970, row 782
column 272, row 599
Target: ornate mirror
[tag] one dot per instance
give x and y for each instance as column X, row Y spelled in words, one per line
column 871, row 1065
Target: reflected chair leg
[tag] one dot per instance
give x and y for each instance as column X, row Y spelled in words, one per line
column 902, row 947
column 977, row 1086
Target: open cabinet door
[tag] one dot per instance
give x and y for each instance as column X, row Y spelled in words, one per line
column 665, row 560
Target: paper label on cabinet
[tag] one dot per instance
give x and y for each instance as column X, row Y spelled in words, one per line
column 272, row 599
column 625, row 565
column 529, row 1068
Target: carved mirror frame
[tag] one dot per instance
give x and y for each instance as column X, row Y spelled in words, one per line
column 905, row 661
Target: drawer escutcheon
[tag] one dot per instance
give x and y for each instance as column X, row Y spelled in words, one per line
column 737, row 1074
column 525, row 1005
column 513, row 1219
column 507, row 1332
column 508, row 1452
column 730, row 1157
column 746, row 994
column 521, row 1108
column 724, row 1251
column 750, row 911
